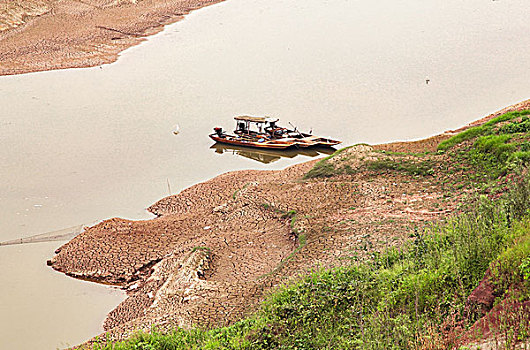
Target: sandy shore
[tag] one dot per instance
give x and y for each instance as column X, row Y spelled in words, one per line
column 40, row 35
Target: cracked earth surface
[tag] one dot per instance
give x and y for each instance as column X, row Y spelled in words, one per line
column 39, row 35
column 216, row 248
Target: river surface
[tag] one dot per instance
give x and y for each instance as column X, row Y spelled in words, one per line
column 77, row 146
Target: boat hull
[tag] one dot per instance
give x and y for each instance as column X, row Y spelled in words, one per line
column 255, row 144
column 279, row 144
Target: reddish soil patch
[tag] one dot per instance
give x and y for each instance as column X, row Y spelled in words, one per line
column 501, row 327
column 482, row 298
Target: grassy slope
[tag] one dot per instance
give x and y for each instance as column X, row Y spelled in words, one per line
column 499, row 146
column 408, row 298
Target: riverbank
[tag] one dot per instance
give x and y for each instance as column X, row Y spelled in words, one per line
column 42, row 35
column 217, row 248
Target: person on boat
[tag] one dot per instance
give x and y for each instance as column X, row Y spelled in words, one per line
column 241, row 127
column 274, row 130
column 218, row 131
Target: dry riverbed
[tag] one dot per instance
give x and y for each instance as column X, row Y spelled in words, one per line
column 39, row 35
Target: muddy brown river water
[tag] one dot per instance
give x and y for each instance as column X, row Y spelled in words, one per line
column 77, row 146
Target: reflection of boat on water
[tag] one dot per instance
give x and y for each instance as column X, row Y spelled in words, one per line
column 263, row 133
column 267, row 155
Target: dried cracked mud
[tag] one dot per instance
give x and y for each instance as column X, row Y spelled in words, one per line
column 215, row 249
column 39, row 35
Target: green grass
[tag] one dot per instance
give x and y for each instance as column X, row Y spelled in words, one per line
column 400, row 299
column 512, row 267
column 519, row 157
column 326, row 169
column 507, row 116
column 483, row 129
column 517, row 127
column 496, row 150
column 323, row 168
column 463, row 136
column 205, row 249
column 495, row 145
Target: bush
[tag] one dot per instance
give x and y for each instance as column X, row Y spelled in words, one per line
column 512, row 268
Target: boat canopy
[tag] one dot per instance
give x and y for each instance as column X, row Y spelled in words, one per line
column 248, row 118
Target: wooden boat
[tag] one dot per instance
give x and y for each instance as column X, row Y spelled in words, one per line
column 262, row 132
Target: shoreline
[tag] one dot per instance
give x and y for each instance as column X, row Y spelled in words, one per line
column 216, row 248
column 152, row 287
column 64, row 35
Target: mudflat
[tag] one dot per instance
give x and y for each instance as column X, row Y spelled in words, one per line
column 40, row 35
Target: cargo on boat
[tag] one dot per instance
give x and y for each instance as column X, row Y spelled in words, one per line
column 263, row 132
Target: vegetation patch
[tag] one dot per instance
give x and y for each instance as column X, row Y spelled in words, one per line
column 512, row 268
column 463, row 136
column 324, row 168
column 362, row 158
column 500, row 146
column 480, row 130
column 201, row 248
column 415, row 296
